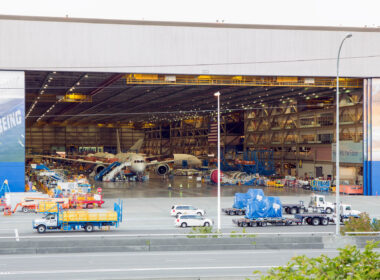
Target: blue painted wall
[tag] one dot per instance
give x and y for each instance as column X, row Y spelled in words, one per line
column 12, row 129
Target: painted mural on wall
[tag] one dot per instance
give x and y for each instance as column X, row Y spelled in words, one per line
column 350, row 152
column 12, row 129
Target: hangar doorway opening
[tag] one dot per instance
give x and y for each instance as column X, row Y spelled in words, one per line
column 289, row 120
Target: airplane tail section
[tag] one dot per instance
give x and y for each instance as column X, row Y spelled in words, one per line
column 137, row 146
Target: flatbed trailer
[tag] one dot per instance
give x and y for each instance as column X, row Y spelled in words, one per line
column 315, row 219
column 294, row 208
column 234, row 211
column 263, row 222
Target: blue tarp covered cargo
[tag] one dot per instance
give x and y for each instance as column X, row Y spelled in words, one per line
column 266, row 207
column 253, row 193
column 242, row 198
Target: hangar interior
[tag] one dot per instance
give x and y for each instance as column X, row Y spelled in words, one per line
column 294, row 117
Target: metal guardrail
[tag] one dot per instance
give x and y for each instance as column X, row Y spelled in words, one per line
column 142, row 235
column 362, row 232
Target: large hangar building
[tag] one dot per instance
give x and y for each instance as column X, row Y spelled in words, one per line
column 68, row 84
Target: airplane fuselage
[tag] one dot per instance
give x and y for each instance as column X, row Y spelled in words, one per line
column 138, row 163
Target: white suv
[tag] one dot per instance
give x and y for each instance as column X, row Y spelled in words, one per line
column 193, row 221
column 187, row 210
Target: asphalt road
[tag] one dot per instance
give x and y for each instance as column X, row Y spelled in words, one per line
column 144, row 215
column 147, row 264
column 152, row 215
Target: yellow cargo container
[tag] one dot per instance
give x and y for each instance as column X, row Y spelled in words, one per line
column 88, row 216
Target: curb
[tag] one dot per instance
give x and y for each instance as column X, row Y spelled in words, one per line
column 61, row 246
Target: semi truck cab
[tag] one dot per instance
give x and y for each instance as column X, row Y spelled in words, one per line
column 346, row 210
column 319, row 201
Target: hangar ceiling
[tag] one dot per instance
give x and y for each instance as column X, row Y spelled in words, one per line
column 110, row 99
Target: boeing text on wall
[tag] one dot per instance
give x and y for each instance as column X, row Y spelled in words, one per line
column 12, row 129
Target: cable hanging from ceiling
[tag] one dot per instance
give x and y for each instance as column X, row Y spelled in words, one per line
column 200, row 64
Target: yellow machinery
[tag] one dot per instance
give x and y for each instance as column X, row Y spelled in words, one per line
column 307, row 82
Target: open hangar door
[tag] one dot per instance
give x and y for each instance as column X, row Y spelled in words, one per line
column 294, row 117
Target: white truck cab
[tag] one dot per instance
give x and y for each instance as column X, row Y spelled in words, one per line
column 319, row 202
column 48, row 222
column 346, row 210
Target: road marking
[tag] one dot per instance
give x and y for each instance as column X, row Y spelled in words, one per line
column 92, row 270
column 169, row 254
column 16, row 235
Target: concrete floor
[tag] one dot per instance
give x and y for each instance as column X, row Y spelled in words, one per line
column 159, row 187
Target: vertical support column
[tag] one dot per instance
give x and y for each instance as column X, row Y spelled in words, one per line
column 366, row 136
column 371, row 136
column 12, row 129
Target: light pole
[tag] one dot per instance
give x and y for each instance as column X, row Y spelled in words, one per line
column 217, row 94
column 337, row 183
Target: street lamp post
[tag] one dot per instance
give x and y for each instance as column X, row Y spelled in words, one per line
column 217, row 94
column 337, row 183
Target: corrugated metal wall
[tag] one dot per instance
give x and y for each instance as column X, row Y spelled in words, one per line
column 143, row 47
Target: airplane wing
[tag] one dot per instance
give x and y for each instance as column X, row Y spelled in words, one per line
column 75, row 160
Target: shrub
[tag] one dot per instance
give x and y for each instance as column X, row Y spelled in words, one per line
column 351, row 263
column 360, row 224
column 376, row 225
column 201, row 230
column 244, row 231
